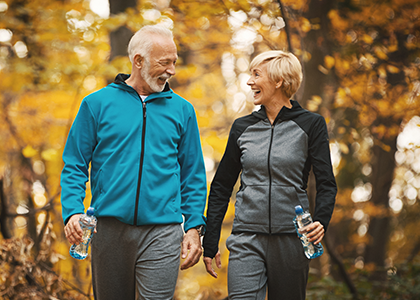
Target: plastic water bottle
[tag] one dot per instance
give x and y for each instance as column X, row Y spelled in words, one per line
column 302, row 219
column 88, row 223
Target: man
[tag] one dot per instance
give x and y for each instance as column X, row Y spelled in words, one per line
column 147, row 175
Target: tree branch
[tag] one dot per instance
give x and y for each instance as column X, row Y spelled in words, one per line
column 286, row 25
column 336, row 259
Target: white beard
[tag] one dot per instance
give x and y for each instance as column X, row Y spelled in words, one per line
column 153, row 81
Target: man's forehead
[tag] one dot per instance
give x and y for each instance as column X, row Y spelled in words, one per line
column 164, row 48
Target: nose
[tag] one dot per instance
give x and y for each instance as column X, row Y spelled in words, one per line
column 171, row 69
column 250, row 81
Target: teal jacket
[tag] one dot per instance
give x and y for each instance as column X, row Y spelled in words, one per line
column 146, row 161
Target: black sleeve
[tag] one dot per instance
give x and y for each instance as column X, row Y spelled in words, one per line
column 326, row 188
column 221, row 190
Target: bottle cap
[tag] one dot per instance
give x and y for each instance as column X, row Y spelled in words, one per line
column 298, row 209
column 90, row 211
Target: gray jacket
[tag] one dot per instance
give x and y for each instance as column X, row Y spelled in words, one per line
column 275, row 161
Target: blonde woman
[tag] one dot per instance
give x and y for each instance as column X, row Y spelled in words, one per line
column 274, row 148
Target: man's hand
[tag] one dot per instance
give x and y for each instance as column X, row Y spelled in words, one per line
column 315, row 232
column 208, row 263
column 191, row 249
column 73, row 231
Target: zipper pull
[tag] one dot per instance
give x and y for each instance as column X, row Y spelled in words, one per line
column 144, row 109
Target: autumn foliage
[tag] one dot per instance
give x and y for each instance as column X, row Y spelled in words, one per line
column 361, row 72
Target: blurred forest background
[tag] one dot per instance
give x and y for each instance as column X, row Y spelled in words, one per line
column 361, row 63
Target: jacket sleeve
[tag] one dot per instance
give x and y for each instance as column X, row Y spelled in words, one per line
column 220, row 193
column 193, row 174
column 326, row 189
column 77, row 155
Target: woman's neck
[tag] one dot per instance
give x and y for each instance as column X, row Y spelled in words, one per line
column 273, row 108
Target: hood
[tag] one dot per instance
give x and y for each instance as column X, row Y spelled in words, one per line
column 119, row 82
column 284, row 114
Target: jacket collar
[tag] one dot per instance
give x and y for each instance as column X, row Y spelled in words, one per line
column 284, row 114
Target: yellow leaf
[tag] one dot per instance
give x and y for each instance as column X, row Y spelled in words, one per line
column 317, row 99
column 341, row 130
column 393, row 48
column 343, row 148
column 49, row 154
column 28, row 151
column 381, row 54
column 197, row 92
column 329, row 61
column 367, row 39
column 306, row 25
column 306, row 56
column 392, row 69
column 382, row 72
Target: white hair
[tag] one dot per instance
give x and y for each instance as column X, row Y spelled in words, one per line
column 142, row 42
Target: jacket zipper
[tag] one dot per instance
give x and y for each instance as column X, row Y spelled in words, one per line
column 269, row 179
column 143, row 137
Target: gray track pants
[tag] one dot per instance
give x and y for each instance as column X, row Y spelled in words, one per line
column 125, row 256
column 260, row 261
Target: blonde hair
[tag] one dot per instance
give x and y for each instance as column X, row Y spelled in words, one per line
column 142, row 41
column 281, row 65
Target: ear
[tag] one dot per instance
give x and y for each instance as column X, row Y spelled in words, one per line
column 279, row 83
column 138, row 61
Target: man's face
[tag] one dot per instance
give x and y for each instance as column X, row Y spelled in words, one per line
column 160, row 65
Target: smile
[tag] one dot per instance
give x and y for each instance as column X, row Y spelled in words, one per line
column 256, row 92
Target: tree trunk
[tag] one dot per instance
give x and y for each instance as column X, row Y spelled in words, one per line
column 316, row 42
column 120, row 37
column 383, row 165
column 4, row 222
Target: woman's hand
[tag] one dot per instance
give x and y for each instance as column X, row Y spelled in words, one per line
column 208, row 263
column 315, row 232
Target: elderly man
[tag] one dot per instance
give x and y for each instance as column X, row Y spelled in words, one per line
column 147, row 176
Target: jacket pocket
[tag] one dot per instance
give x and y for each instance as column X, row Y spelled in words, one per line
column 252, row 205
column 101, row 182
column 283, row 202
column 175, row 194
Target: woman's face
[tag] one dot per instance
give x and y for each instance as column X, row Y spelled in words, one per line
column 262, row 86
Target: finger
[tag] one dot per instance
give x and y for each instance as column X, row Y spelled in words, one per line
column 317, row 235
column 189, row 262
column 184, row 251
column 318, row 238
column 314, row 229
column 77, row 229
column 209, row 268
column 218, row 260
column 193, row 257
column 68, row 234
column 75, row 233
column 311, row 233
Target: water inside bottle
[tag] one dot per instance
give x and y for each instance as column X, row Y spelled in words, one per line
column 86, row 236
column 81, row 251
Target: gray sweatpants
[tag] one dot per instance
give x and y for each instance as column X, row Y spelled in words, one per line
column 126, row 256
column 259, row 261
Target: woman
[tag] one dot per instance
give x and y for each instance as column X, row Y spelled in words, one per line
column 275, row 148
